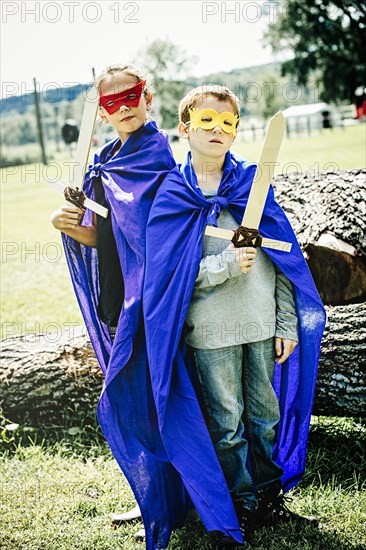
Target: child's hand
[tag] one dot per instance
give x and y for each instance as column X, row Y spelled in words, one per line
column 67, row 217
column 245, row 257
column 284, row 348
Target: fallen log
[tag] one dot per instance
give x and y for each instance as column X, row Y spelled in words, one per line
column 46, row 378
column 341, row 383
column 328, row 214
column 43, row 379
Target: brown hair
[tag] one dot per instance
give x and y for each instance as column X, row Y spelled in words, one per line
column 138, row 73
column 221, row 93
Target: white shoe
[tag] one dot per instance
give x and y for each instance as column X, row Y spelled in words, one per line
column 135, row 513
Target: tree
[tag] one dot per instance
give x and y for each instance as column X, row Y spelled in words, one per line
column 328, row 40
column 168, row 65
column 18, row 129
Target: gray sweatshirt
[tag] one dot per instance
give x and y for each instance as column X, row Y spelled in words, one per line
column 229, row 307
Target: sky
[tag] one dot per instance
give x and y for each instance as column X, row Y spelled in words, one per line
column 58, row 43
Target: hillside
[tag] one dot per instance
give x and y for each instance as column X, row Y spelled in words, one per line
column 54, row 96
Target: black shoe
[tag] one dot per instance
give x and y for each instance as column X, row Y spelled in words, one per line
column 272, row 509
column 227, row 543
column 247, row 526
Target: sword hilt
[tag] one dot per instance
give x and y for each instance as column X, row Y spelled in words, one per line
column 75, row 196
column 246, row 236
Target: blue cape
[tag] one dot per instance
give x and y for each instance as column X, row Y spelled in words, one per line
column 126, row 409
column 174, row 246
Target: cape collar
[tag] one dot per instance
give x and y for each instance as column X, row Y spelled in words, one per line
column 227, row 181
column 132, row 144
column 222, row 198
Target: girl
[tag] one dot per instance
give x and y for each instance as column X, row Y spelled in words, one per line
column 125, row 102
column 106, row 258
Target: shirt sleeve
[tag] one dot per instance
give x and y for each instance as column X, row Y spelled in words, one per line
column 286, row 317
column 215, row 270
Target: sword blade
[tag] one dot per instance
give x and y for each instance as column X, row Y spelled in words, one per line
column 88, row 203
column 85, row 138
column 227, row 234
column 264, row 173
column 83, row 151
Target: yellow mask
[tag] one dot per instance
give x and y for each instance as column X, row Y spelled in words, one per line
column 209, row 118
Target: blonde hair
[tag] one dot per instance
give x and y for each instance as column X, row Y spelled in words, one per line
column 221, row 93
column 136, row 72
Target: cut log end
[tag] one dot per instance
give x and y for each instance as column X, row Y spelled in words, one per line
column 340, row 277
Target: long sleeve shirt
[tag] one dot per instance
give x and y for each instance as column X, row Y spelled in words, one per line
column 229, row 307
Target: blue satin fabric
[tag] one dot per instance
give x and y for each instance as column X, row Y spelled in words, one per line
column 174, row 244
column 126, row 411
column 149, row 413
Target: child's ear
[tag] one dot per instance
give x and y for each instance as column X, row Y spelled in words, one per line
column 102, row 115
column 148, row 99
column 183, row 130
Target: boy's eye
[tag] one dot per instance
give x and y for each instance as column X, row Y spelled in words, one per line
column 110, row 103
column 228, row 123
column 206, row 119
column 132, row 96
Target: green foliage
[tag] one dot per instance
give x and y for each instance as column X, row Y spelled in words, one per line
column 261, row 89
column 165, row 60
column 168, row 65
column 17, row 155
column 328, row 41
column 18, row 129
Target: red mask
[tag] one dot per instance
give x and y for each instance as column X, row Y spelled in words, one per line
column 130, row 97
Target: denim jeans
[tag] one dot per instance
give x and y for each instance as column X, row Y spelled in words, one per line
column 241, row 410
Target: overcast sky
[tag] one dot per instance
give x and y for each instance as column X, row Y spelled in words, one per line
column 59, row 42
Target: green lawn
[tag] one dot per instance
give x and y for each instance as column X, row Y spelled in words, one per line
column 37, row 295
column 58, row 491
column 60, row 495
column 336, row 149
column 36, row 290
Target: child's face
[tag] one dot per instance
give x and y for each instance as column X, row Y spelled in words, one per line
column 126, row 119
column 213, row 143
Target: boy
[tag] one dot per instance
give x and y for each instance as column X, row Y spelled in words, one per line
column 242, row 315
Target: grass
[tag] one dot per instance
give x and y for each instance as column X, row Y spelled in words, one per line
column 59, row 492
column 60, row 484
column 337, row 149
column 35, row 283
column 36, row 290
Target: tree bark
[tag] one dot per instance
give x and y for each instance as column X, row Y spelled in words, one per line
column 341, row 383
column 332, row 202
column 42, row 380
column 328, row 214
column 46, row 378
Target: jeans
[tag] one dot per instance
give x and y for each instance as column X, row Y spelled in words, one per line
column 241, row 411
